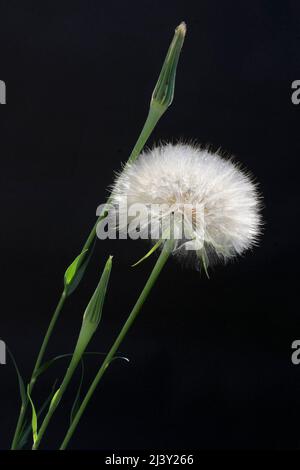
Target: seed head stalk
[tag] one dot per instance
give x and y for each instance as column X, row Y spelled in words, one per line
column 90, row 323
column 161, row 99
column 165, row 253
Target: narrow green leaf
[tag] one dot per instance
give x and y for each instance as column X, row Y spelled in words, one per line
column 34, row 423
column 26, row 430
column 22, row 388
column 153, row 249
column 49, row 363
column 76, row 403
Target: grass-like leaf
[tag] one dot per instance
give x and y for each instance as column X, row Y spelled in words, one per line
column 49, row 363
column 34, row 421
column 153, row 249
column 22, row 388
column 24, row 434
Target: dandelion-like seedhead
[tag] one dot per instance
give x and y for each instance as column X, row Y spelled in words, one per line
column 215, row 200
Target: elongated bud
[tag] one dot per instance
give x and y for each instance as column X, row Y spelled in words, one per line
column 93, row 312
column 76, row 270
column 90, row 322
column 164, row 90
column 163, row 93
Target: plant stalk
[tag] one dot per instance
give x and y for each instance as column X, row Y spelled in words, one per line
column 69, row 374
column 155, row 113
column 36, row 367
column 153, row 117
column 90, row 323
column 167, row 249
column 161, row 99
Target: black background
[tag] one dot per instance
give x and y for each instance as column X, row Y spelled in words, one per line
column 210, row 360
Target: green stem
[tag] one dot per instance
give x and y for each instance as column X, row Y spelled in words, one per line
column 154, row 115
column 90, row 322
column 155, row 112
column 36, row 367
column 70, row 371
column 161, row 98
column 46, row 340
column 19, row 426
column 143, row 296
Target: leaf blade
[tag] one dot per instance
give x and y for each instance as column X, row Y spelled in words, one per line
column 152, row 250
column 23, row 437
column 22, row 388
column 34, row 422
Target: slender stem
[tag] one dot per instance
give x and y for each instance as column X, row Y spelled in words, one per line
column 70, row 371
column 155, row 113
column 89, row 326
column 161, row 98
column 46, row 339
column 19, row 426
column 36, row 367
column 153, row 117
column 136, row 309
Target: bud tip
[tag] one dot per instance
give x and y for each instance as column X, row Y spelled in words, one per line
column 181, row 28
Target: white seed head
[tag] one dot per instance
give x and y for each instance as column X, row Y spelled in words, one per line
column 218, row 202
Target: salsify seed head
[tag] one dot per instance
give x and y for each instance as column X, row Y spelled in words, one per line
column 185, row 185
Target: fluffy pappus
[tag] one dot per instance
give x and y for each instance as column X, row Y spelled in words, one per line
column 216, row 200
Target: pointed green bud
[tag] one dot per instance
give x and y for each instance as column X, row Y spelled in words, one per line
column 163, row 92
column 71, row 274
column 76, row 270
column 93, row 312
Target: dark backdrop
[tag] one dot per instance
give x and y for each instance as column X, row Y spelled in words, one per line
column 210, row 360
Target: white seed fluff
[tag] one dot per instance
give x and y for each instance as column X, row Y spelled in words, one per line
column 215, row 188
